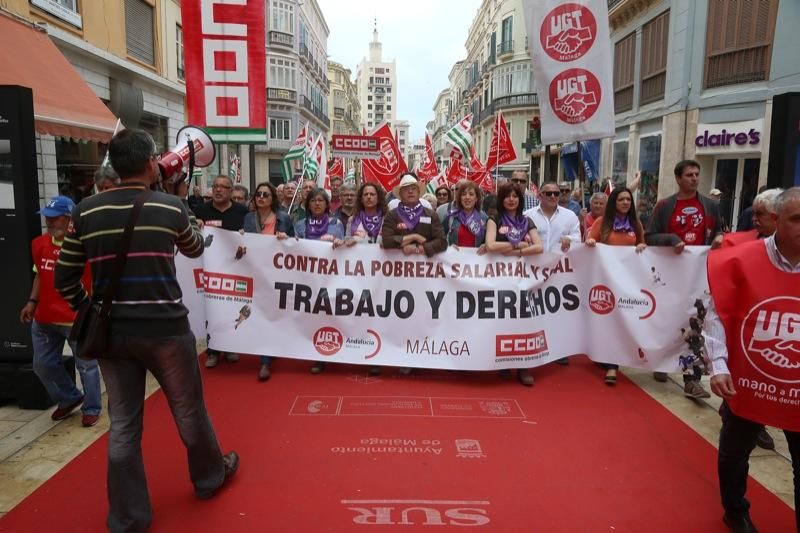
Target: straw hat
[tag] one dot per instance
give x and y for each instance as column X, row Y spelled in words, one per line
column 406, row 181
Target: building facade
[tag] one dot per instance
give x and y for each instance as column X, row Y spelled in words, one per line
column 403, row 127
column 343, row 100
column 297, row 81
column 130, row 53
column 376, row 83
column 495, row 76
column 695, row 80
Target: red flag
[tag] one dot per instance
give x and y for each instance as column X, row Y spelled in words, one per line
column 609, row 187
column 475, row 163
column 501, row 150
column 385, row 171
column 429, row 169
column 455, row 172
column 336, row 168
column 483, row 179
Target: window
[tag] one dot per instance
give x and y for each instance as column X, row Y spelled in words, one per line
column 179, row 52
column 369, row 124
column 280, row 129
column 369, row 98
column 282, row 17
column 369, row 115
column 655, row 38
column 139, row 31
column 156, row 126
column 369, row 106
column 64, row 9
column 388, row 108
column 649, row 161
column 512, row 79
column 507, row 36
column 388, row 98
column 281, row 73
column 624, row 58
column 619, row 172
column 739, row 41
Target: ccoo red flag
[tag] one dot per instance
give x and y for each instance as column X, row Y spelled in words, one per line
column 428, row 169
column 385, row 171
column 501, row 150
column 336, row 168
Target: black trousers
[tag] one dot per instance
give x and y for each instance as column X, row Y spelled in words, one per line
column 736, row 441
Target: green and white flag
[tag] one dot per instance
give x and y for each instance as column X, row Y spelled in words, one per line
column 296, row 153
column 460, row 137
column 310, row 163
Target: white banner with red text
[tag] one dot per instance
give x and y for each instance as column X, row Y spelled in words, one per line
column 571, row 55
column 254, row 294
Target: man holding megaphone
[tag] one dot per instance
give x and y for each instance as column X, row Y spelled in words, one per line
column 149, row 329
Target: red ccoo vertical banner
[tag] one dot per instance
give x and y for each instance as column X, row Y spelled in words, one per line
column 225, row 54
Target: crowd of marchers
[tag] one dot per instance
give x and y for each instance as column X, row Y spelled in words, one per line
column 513, row 221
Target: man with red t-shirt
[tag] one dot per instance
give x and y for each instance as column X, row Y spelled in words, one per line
column 686, row 218
column 51, row 321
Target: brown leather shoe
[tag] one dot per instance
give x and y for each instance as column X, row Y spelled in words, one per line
column 231, row 462
column 525, row 377
column 63, row 412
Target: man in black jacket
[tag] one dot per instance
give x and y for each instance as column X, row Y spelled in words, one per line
column 686, row 218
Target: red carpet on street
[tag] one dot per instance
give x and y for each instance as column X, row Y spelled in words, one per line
column 435, row 450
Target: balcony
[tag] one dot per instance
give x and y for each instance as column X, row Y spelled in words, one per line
column 315, row 111
column 280, row 38
column 505, row 48
column 738, row 66
column 516, row 100
column 275, row 94
column 338, row 112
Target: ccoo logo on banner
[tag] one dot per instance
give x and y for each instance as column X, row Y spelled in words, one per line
column 225, row 68
column 572, row 66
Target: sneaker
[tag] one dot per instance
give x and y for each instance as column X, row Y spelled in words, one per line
column 89, row 420
column 317, row 367
column 525, row 377
column 694, row 389
column 263, row 373
column 661, row 377
column 404, row 370
column 211, row 360
column 231, row 462
column 231, row 357
column 63, row 412
column 564, row 361
column 764, row 440
column 611, row 377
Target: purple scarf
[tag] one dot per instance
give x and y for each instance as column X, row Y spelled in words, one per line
column 410, row 215
column 370, row 223
column 472, row 222
column 622, row 223
column 517, row 228
column 316, row 227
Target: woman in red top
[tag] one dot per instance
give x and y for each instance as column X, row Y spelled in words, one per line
column 465, row 224
column 619, row 226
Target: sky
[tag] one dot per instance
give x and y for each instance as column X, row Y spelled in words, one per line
column 425, row 37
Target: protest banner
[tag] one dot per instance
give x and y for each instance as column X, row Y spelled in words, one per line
column 457, row 310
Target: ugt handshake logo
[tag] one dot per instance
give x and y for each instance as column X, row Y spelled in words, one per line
column 568, row 32
column 575, row 95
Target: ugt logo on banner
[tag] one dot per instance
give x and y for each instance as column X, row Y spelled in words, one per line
column 225, row 68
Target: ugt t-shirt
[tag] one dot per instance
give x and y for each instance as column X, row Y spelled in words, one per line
column 688, row 221
column 231, row 219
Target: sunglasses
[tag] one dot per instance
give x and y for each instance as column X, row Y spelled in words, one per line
column 521, row 182
column 551, row 193
column 263, row 194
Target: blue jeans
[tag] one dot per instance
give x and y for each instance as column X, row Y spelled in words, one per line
column 173, row 362
column 48, row 346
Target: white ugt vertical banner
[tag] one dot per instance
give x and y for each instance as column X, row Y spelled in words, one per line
column 572, row 68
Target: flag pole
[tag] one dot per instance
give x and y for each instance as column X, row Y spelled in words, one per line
column 497, row 165
column 296, row 189
column 580, row 175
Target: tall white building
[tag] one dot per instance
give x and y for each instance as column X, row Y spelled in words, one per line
column 376, row 82
column 403, row 127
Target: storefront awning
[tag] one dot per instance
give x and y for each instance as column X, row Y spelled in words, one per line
column 63, row 104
